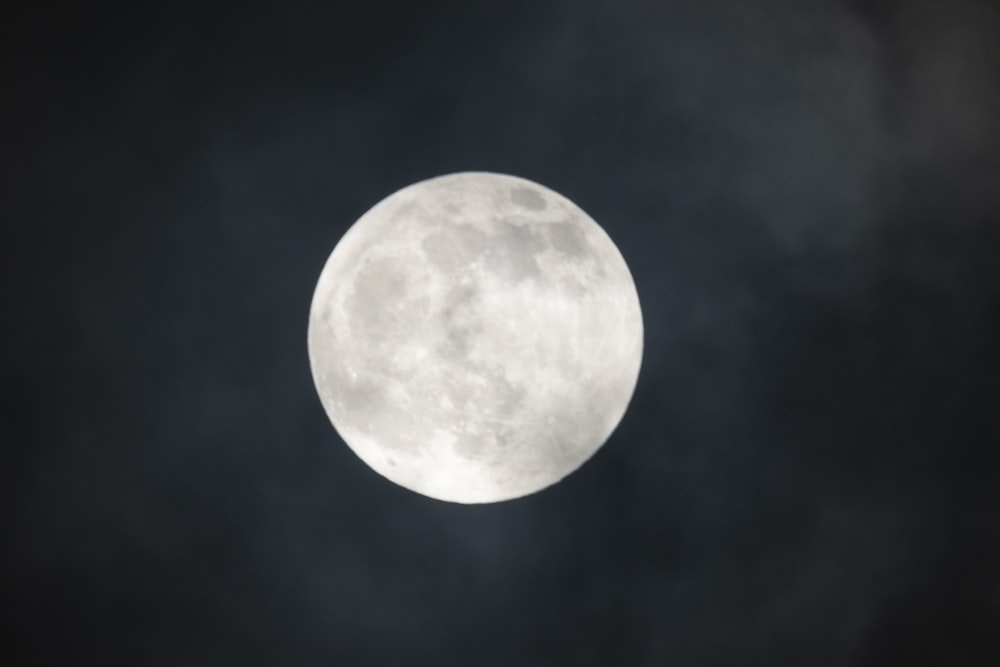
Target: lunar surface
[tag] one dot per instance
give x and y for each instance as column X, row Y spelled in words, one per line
column 475, row 337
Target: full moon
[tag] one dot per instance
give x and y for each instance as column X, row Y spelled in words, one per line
column 475, row 337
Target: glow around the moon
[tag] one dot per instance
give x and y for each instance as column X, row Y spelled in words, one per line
column 475, row 337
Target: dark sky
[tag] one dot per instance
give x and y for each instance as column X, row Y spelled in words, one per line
column 808, row 195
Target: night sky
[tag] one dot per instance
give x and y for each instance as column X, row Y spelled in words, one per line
column 807, row 193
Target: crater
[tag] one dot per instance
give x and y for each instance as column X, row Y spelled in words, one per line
column 461, row 322
column 406, row 214
column 469, row 447
column 454, row 248
column 514, row 251
column 507, row 397
column 567, row 238
column 360, row 400
column 528, row 198
column 381, row 304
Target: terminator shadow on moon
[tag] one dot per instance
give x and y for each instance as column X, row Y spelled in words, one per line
column 475, row 337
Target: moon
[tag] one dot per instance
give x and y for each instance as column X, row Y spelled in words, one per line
column 475, row 337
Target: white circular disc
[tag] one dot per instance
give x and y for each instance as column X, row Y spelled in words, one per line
column 475, row 337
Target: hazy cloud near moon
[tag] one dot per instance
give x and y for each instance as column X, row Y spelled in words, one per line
column 805, row 193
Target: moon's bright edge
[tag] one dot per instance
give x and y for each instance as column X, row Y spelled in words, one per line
column 475, row 337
